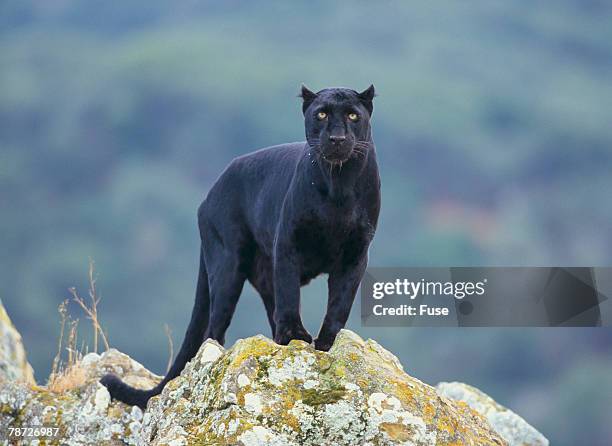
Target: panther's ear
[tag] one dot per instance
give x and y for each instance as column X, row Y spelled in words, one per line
column 307, row 96
column 366, row 97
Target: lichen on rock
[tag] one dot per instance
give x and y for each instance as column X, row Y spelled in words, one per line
column 84, row 412
column 514, row 429
column 258, row 393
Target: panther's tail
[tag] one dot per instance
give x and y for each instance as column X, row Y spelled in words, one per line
column 128, row 394
column 193, row 339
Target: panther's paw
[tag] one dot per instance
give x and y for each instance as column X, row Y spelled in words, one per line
column 323, row 344
column 285, row 334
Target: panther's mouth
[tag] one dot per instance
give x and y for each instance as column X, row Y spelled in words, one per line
column 337, row 155
column 337, row 159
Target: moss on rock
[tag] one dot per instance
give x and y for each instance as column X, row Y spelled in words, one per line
column 84, row 414
column 514, row 429
column 259, row 393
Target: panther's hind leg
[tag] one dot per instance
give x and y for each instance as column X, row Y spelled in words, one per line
column 226, row 278
column 261, row 279
column 268, row 300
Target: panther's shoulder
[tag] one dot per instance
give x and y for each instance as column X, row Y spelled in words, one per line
column 279, row 150
column 273, row 155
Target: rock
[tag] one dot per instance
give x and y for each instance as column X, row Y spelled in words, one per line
column 14, row 365
column 514, row 429
column 260, row 393
column 77, row 404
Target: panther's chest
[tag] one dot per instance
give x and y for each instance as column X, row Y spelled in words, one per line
column 321, row 240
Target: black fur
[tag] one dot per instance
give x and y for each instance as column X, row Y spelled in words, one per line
column 278, row 218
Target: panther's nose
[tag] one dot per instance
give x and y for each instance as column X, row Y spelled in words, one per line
column 337, row 139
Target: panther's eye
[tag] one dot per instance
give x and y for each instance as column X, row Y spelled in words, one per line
column 353, row 116
column 321, row 116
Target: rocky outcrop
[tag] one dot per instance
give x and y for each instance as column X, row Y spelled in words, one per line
column 14, row 365
column 77, row 404
column 259, row 393
column 514, row 429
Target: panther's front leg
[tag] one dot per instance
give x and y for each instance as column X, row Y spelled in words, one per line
column 287, row 317
column 342, row 284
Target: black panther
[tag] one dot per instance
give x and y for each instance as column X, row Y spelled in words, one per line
column 279, row 217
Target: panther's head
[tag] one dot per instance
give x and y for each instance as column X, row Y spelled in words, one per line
column 338, row 122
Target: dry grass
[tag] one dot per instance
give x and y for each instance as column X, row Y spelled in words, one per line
column 170, row 346
column 57, row 361
column 91, row 310
column 66, row 372
column 73, row 377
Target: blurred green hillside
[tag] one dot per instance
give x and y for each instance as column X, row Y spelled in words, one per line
column 493, row 124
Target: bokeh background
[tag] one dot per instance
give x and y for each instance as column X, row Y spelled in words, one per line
column 494, row 131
